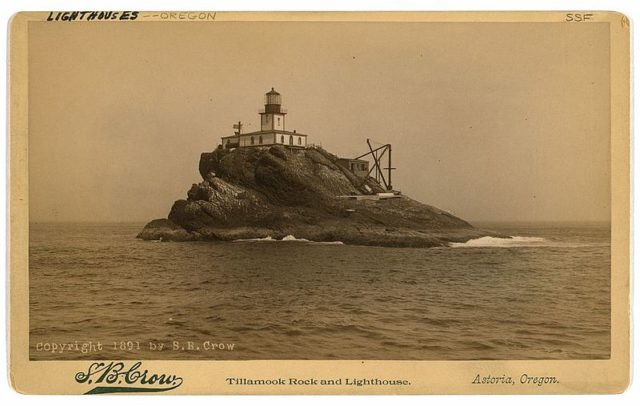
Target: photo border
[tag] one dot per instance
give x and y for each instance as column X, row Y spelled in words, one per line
column 425, row 377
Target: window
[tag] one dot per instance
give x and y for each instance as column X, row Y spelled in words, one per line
column 291, row 140
column 278, row 121
column 260, row 140
column 282, row 139
column 299, row 140
column 252, row 141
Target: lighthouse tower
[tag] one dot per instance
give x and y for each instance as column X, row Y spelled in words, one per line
column 272, row 117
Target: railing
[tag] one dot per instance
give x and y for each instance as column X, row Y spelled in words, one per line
column 280, row 111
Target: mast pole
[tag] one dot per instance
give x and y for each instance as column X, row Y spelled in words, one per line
column 389, row 168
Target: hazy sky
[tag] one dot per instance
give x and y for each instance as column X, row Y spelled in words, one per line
column 490, row 121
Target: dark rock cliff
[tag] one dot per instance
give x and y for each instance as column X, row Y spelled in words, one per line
column 260, row 192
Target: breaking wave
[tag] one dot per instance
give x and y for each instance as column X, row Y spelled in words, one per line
column 265, row 239
column 516, row 241
column 292, row 238
column 289, row 238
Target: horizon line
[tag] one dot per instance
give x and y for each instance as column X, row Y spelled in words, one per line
column 608, row 221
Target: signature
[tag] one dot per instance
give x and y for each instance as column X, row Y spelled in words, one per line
column 115, row 377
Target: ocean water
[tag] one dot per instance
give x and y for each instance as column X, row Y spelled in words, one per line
column 96, row 292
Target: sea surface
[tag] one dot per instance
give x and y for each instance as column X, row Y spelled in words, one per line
column 96, row 292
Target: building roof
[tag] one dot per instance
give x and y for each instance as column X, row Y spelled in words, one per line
column 273, row 92
column 267, row 132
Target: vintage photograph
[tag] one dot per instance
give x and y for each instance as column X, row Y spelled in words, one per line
column 291, row 190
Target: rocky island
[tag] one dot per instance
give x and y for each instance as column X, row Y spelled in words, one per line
column 272, row 184
column 275, row 192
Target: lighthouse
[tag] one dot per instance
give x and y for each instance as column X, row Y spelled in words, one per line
column 272, row 116
column 272, row 128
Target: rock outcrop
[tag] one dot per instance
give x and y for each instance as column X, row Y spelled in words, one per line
column 275, row 191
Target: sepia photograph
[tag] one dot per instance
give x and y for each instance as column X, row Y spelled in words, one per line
column 338, row 190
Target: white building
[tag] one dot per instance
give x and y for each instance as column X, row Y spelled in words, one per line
column 272, row 128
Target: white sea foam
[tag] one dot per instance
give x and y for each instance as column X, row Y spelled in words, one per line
column 289, row 238
column 516, row 241
column 292, row 238
column 265, row 239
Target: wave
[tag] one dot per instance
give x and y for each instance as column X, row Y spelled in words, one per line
column 265, row 239
column 289, row 238
column 292, row 238
column 515, row 241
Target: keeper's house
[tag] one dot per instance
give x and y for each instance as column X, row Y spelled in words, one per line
column 272, row 128
column 359, row 167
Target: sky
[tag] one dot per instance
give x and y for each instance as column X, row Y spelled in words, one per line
column 489, row 121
